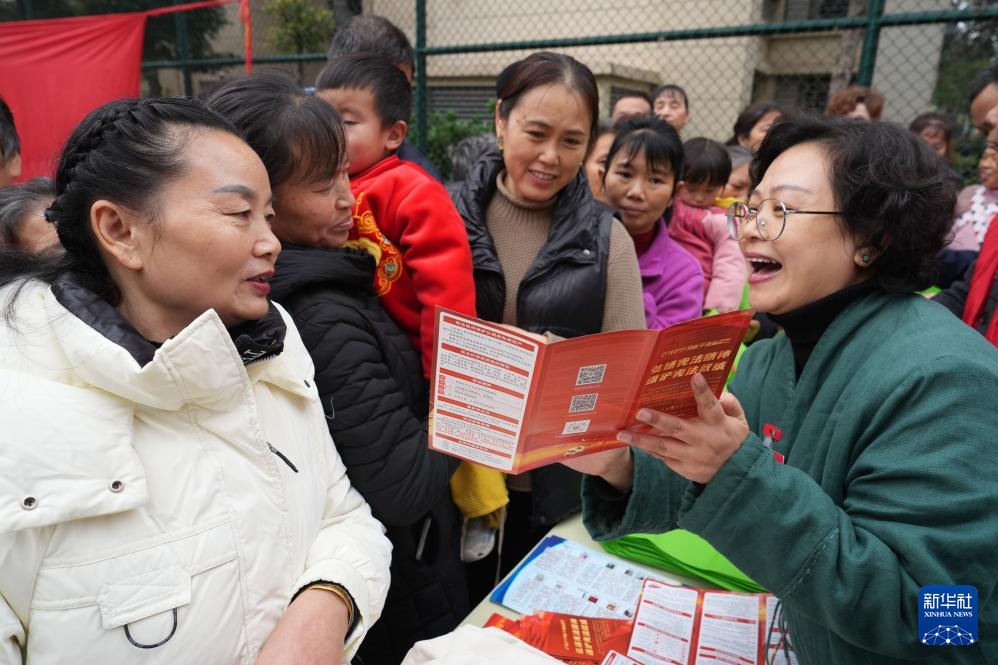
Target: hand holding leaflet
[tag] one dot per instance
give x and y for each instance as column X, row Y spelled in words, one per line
column 507, row 401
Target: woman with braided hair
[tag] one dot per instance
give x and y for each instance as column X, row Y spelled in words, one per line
column 168, row 489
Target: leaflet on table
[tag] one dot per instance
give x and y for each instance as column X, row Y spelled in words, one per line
column 684, row 626
column 509, row 402
column 569, row 638
column 614, row 658
column 562, row 576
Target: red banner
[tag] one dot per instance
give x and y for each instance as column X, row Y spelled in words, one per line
column 56, row 71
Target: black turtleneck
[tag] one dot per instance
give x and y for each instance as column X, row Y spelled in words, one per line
column 805, row 325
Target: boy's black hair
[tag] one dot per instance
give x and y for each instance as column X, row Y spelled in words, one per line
column 988, row 77
column 707, row 162
column 10, row 142
column 653, row 137
column 369, row 71
column 673, row 89
column 372, row 34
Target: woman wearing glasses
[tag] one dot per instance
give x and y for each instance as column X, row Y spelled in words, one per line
column 854, row 461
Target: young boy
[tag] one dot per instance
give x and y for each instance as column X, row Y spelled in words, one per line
column 702, row 228
column 402, row 215
column 369, row 33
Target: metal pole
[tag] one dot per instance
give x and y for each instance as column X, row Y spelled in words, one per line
column 871, row 39
column 420, row 75
column 183, row 49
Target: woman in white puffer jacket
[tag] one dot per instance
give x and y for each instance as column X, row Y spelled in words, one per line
column 169, row 492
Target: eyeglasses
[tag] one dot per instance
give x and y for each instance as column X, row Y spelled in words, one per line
column 770, row 221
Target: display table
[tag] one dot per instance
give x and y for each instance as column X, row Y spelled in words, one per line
column 571, row 529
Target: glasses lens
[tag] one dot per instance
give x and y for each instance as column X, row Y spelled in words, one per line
column 737, row 214
column 771, row 216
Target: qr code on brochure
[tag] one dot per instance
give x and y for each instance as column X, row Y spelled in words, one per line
column 576, row 427
column 590, row 375
column 582, row 403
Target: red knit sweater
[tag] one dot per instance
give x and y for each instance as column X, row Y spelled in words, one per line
column 406, row 219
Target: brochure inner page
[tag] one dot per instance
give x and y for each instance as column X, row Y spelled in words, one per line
column 482, row 382
column 665, row 624
column 707, row 346
column 585, row 390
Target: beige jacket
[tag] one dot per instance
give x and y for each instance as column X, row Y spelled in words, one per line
column 145, row 513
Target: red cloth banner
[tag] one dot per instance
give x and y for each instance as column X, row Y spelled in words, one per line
column 56, row 71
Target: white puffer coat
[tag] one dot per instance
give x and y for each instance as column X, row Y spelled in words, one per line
column 164, row 513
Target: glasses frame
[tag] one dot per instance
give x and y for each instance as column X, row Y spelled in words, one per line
column 750, row 215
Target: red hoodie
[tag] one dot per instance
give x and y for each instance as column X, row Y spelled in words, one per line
column 407, row 220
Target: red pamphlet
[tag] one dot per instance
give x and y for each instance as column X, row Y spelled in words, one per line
column 571, row 639
column 509, row 402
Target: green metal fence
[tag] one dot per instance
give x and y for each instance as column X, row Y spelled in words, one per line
column 920, row 54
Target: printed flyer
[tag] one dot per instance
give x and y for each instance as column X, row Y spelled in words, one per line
column 685, row 626
column 509, row 402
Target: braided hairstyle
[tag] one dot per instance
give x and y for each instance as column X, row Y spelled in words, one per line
column 126, row 152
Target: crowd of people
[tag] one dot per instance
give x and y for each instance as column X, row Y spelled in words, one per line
column 218, row 331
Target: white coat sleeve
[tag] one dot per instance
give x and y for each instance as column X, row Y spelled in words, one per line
column 350, row 549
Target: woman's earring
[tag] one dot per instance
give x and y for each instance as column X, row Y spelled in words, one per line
column 501, row 143
column 866, row 259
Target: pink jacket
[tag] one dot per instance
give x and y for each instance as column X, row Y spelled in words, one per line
column 704, row 234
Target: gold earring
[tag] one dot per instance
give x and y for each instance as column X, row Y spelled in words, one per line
column 502, row 144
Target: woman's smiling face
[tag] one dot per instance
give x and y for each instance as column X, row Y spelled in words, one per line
column 544, row 141
column 815, row 256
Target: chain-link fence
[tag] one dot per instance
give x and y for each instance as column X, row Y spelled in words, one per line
column 920, row 54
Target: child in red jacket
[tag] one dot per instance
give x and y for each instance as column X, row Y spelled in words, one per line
column 402, row 216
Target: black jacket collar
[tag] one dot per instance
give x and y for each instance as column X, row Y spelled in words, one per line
column 254, row 340
column 299, row 268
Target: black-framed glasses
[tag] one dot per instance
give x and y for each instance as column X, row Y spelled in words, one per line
column 769, row 216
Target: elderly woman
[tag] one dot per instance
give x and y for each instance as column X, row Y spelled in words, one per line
column 368, row 374
column 854, row 461
column 169, row 490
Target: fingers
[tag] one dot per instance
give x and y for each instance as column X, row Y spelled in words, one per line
column 732, row 407
column 665, row 425
column 708, row 407
column 671, row 450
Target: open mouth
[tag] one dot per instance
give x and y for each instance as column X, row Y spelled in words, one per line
column 763, row 268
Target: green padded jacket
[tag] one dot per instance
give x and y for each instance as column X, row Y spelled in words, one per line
column 890, row 482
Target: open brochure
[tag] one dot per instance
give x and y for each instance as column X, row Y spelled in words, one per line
column 506, row 401
column 683, row 626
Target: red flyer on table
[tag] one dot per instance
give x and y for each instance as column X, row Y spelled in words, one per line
column 506, row 401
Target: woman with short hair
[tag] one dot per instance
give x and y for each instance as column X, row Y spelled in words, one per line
column 853, row 461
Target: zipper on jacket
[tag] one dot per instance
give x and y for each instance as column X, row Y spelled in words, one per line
column 282, row 456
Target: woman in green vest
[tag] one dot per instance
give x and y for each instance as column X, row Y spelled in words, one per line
column 854, row 461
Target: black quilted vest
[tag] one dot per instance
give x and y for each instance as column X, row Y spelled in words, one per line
column 563, row 292
column 564, row 289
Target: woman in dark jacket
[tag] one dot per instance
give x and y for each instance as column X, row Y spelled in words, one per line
column 548, row 258
column 368, row 375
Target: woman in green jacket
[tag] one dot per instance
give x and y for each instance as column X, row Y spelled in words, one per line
column 854, row 461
